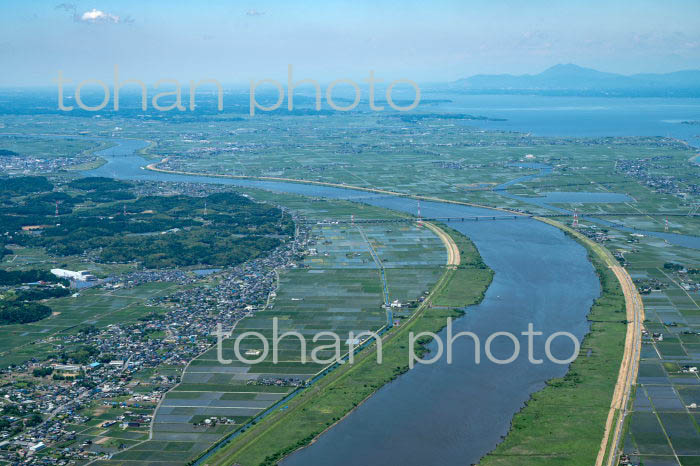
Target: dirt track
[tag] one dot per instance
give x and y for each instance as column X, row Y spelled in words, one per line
column 629, row 365
column 453, row 256
column 628, row 368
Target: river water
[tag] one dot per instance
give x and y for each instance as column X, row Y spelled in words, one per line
column 455, row 414
column 448, row 414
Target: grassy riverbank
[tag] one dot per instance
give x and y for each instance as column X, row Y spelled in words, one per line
column 328, row 401
column 467, row 281
column 562, row 424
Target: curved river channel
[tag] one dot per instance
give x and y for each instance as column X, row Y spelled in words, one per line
column 446, row 414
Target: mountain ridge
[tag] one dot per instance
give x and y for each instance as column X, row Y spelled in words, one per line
column 569, row 76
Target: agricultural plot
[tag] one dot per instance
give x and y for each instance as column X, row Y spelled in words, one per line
column 663, row 429
column 339, row 288
column 111, row 427
column 449, row 158
column 24, row 258
column 47, row 147
column 96, row 307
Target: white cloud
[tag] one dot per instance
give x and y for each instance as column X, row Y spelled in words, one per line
column 93, row 16
column 254, row 13
column 98, row 16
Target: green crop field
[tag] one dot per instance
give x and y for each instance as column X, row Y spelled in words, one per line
column 338, row 288
column 315, row 410
column 97, row 307
column 663, row 424
column 339, row 285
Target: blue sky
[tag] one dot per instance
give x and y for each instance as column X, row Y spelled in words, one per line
column 436, row 40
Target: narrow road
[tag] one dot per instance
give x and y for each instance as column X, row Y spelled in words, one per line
column 628, row 369
column 629, row 366
column 453, row 257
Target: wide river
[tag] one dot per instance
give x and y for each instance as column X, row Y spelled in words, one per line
column 448, row 414
column 455, row 414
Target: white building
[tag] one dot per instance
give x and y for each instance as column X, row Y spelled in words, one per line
column 82, row 275
column 37, row 447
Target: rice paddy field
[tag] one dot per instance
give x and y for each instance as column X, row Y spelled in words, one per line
column 663, row 425
column 339, row 288
column 25, row 258
column 47, row 147
column 449, row 158
column 104, row 429
column 450, row 162
column 353, row 271
column 663, row 428
column 452, row 159
column 98, row 307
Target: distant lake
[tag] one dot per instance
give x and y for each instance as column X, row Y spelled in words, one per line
column 580, row 116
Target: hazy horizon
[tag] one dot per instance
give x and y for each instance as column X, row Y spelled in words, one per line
column 437, row 42
column 245, row 86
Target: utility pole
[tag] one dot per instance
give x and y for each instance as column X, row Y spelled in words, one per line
column 420, row 218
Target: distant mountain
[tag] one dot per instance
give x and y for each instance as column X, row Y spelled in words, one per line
column 572, row 79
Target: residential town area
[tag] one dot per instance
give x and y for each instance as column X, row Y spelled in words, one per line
column 113, row 377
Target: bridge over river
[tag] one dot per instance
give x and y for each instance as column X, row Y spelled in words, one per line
column 478, row 218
